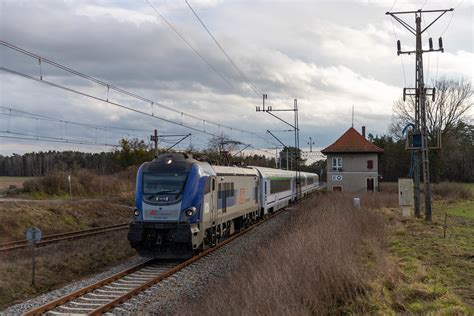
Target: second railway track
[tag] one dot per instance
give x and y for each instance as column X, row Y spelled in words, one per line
column 111, row 292
column 19, row 244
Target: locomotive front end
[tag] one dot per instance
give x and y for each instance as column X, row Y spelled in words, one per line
column 167, row 207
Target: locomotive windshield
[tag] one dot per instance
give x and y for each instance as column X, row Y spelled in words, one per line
column 157, row 184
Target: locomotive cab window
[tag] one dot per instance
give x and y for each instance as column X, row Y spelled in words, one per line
column 163, row 183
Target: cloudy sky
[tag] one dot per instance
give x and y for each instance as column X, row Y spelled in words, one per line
column 330, row 55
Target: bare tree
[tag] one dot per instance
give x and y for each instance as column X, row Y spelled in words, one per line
column 454, row 99
column 216, row 142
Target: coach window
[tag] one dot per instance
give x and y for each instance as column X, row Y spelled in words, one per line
column 280, row 185
column 207, row 186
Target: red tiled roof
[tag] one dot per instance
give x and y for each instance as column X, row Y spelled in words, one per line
column 352, row 142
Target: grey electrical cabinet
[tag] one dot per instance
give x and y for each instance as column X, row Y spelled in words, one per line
column 405, row 192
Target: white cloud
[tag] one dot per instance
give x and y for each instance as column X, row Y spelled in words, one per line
column 327, row 58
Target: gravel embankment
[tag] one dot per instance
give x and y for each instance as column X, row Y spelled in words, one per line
column 187, row 285
column 45, row 298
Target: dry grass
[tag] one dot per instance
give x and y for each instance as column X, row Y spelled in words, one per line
column 58, row 264
column 58, row 216
column 83, row 182
column 451, row 191
column 318, row 265
column 12, row 182
column 440, row 191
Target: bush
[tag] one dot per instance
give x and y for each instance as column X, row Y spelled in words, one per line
column 451, row 190
column 443, row 190
column 83, row 182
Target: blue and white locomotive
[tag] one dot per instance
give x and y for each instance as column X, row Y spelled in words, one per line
column 183, row 206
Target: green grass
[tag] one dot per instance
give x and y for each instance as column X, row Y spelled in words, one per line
column 436, row 272
column 458, row 208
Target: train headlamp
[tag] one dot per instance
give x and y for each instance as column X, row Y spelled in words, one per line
column 190, row 211
column 168, row 161
column 136, row 212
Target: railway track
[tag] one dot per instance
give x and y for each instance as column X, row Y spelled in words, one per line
column 46, row 240
column 111, row 292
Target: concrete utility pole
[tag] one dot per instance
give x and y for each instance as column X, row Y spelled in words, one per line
column 311, row 143
column 420, row 135
column 154, row 138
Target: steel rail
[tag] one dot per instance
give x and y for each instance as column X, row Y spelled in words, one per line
column 78, row 293
column 18, row 244
column 102, row 309
column 136, row 290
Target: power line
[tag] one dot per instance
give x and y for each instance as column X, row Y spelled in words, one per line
column 30, row 115
column 189, row 45
column 396, row 39
column 23, row 136
column 108, row 87
column 237, row 69
column 123, row 106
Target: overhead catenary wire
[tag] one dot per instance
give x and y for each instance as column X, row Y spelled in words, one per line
column 109, row 86
column 234, row 65
column 119, row 104
column 112, row 129
column 48, row 139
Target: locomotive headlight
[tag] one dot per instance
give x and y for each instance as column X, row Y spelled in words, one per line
column 136, row 212
column 190, row 211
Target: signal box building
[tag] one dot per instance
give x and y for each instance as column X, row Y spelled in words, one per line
column 352, row 163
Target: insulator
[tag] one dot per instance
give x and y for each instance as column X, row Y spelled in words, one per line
column 431, row 43
column 440, row 42
column 399, row 46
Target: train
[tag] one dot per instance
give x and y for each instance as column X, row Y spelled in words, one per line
column 184, row 206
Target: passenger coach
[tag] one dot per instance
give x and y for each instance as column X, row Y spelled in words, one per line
column 183, row 206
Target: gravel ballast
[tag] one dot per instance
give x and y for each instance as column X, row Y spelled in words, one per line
column 189, row 284
column 18, row 309
column 177, row 291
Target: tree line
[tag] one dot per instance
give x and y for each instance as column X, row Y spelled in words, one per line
column 449, row 124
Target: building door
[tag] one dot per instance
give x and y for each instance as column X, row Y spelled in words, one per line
column 370, row 184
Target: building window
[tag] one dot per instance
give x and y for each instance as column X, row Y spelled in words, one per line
column 337, row 188
column 337, row 164
column 370, row 164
